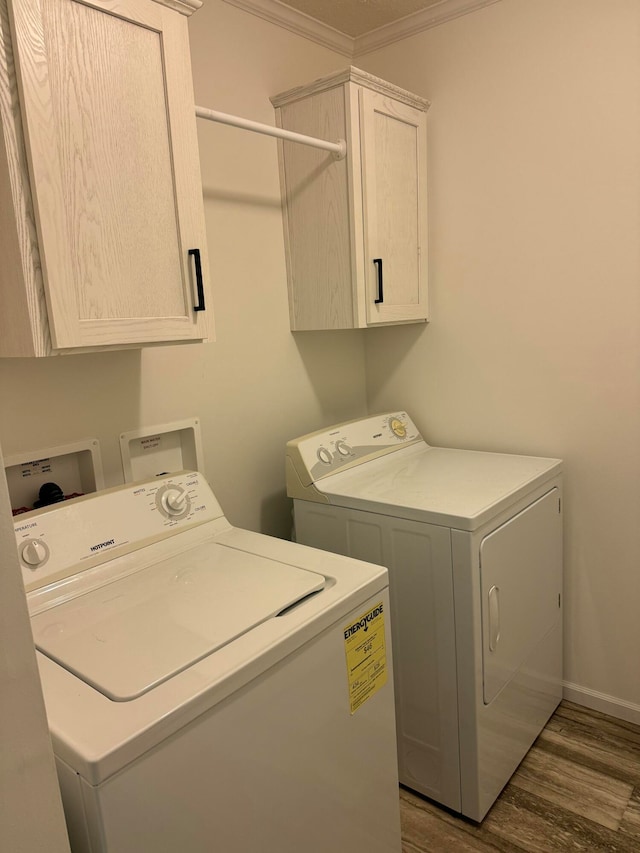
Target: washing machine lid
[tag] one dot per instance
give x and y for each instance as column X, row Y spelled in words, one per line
column 134, row 633
column 456, row 488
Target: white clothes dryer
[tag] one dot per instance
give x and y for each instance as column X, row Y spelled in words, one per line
column 208, row 688
column 473, row 545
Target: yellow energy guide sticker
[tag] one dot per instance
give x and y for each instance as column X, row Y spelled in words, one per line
column 364, row 647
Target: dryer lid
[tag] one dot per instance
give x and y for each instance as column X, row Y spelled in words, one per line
column 134, row 633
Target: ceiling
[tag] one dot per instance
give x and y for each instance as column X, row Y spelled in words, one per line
column 356, row 27
column 358, row 17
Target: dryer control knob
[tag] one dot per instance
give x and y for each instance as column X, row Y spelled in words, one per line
column 343, row 448
column 34, row 553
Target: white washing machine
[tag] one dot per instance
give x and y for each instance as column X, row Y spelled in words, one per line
column 208, row 688
column 473, row 544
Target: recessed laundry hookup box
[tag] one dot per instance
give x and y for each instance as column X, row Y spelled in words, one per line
column 162, row 449
column 75, row 468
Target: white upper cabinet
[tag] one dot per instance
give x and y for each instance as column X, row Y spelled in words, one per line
column 355, row 229
column 103, row 237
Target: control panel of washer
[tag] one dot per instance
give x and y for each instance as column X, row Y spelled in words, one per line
column 319, row 454
column 99, row 526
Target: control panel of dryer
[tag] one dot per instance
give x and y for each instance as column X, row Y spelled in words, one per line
column 319, row 454
column 99, row 526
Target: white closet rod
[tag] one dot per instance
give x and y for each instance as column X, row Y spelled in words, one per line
column 338, row 148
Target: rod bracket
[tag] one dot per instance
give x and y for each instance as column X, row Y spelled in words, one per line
column 342, row 153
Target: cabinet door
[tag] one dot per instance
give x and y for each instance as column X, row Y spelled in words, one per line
column 107, row 102
column 393, row 147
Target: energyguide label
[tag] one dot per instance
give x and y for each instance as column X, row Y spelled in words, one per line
column 365, row 650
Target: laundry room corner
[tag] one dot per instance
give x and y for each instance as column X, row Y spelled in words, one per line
column 532, row 345
column 437, row 582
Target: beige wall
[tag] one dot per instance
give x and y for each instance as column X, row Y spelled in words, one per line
column 31, row 817
column 258, row 385
column 534, row 344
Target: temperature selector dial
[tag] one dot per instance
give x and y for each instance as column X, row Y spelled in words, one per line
column 343, row 448
column 398, row 427
column 34, row 553
column 173, row 501
column 324, row 456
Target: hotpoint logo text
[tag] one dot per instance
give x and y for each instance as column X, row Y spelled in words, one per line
column 102, row 545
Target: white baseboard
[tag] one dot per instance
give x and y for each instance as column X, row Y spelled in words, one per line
column 601, row 702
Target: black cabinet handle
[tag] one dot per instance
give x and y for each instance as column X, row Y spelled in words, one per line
column 199, row 285
column 378, row 263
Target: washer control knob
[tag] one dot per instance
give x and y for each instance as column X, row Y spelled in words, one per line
column 173, row 502
column 343, row 448
column 34, row 553
column 324, row 456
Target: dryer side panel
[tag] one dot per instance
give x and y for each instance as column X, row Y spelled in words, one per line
column 418, row 558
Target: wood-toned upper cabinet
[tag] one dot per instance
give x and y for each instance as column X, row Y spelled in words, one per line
column 355, row 229
column 104, row 240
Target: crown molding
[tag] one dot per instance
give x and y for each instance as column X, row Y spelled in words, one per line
column 303, row 25
column 351, row 75
column 439, row 13
column 298, row 23
column 185, row 7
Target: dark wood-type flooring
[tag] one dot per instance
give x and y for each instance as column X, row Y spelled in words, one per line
column 578, row 789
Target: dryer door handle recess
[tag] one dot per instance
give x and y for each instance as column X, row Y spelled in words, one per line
column 494, row 617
